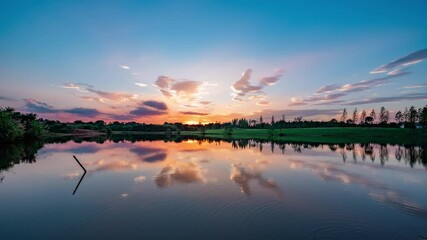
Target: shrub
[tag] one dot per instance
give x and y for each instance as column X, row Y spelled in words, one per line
column 10, row 130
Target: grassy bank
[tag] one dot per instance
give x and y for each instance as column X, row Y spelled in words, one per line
column 325, row 135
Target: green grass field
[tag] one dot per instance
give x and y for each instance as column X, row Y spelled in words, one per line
column 326, row 135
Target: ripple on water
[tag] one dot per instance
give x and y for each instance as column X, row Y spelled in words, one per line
column 348, row 228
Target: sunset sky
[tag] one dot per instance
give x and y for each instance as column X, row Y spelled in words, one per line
column 203, row 61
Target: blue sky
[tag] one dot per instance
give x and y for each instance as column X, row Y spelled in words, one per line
column 106, row 58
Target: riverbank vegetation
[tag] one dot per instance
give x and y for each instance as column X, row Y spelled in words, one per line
column 16, row 126
column 363, row 126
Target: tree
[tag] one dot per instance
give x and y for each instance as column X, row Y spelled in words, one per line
column 369, row 120
column 384, row 115
column 272, row 120
column 355, row 115
column 422, row 113
column 234, row 121
column 406, row 115
column 399, row 117
column 298, row 119
column 344, row 115
column 412, row 115
column 373, row 115
column 260, row 120
column 283, row 117
column 362, row 116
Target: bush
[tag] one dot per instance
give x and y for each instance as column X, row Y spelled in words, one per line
column 10, row 130
column 34, row 130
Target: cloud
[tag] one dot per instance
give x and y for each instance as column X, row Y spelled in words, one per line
column 186, row 87
column 114, row 96
column 92, row 99
column 124, row 67
column 412, row 58
column 150, row 108
column 35, row 106
column 362, row 85
column 161, row 106
column 166, row 93
column 140, row 84
column 180, row 90
column 263, row 103
column 243, row 87
column 321, row 99
column 78, row 86
column 194, row 113
column 423, row 85
column 270, row 81
column 405, row 97
column 7, row 98
column 205, row 102
column 327, row 95
column 143, row 111
column 86, row 112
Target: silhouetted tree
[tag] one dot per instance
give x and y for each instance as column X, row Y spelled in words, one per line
column 373, row 115
column 344, row 115
column 355, row 115
column 398, row 117
column 384, row 115
column 362, row 116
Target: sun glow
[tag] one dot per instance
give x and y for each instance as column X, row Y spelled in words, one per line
column 191, row 122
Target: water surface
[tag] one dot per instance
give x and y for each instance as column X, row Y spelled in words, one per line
column 205, row 189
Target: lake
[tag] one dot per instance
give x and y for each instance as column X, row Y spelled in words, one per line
column 213, row 189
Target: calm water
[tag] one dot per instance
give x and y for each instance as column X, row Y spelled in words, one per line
column 213, row 190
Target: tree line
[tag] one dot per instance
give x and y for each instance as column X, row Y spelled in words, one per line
column 409, row 118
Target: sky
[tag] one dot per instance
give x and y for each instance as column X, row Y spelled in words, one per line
column 206, row 61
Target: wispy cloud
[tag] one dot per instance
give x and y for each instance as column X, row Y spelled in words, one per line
column 77, row 86
column 410, row 59
column 243, row 87
column 124, row 67
column 140, row 84
column 423, row 85
column 360, row 86
column 263, row 103
column 331, row 94
column 102, row 95
column 412, row 96
column 193, row 113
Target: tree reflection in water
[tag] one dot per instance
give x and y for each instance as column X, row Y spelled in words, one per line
column 26, row 152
